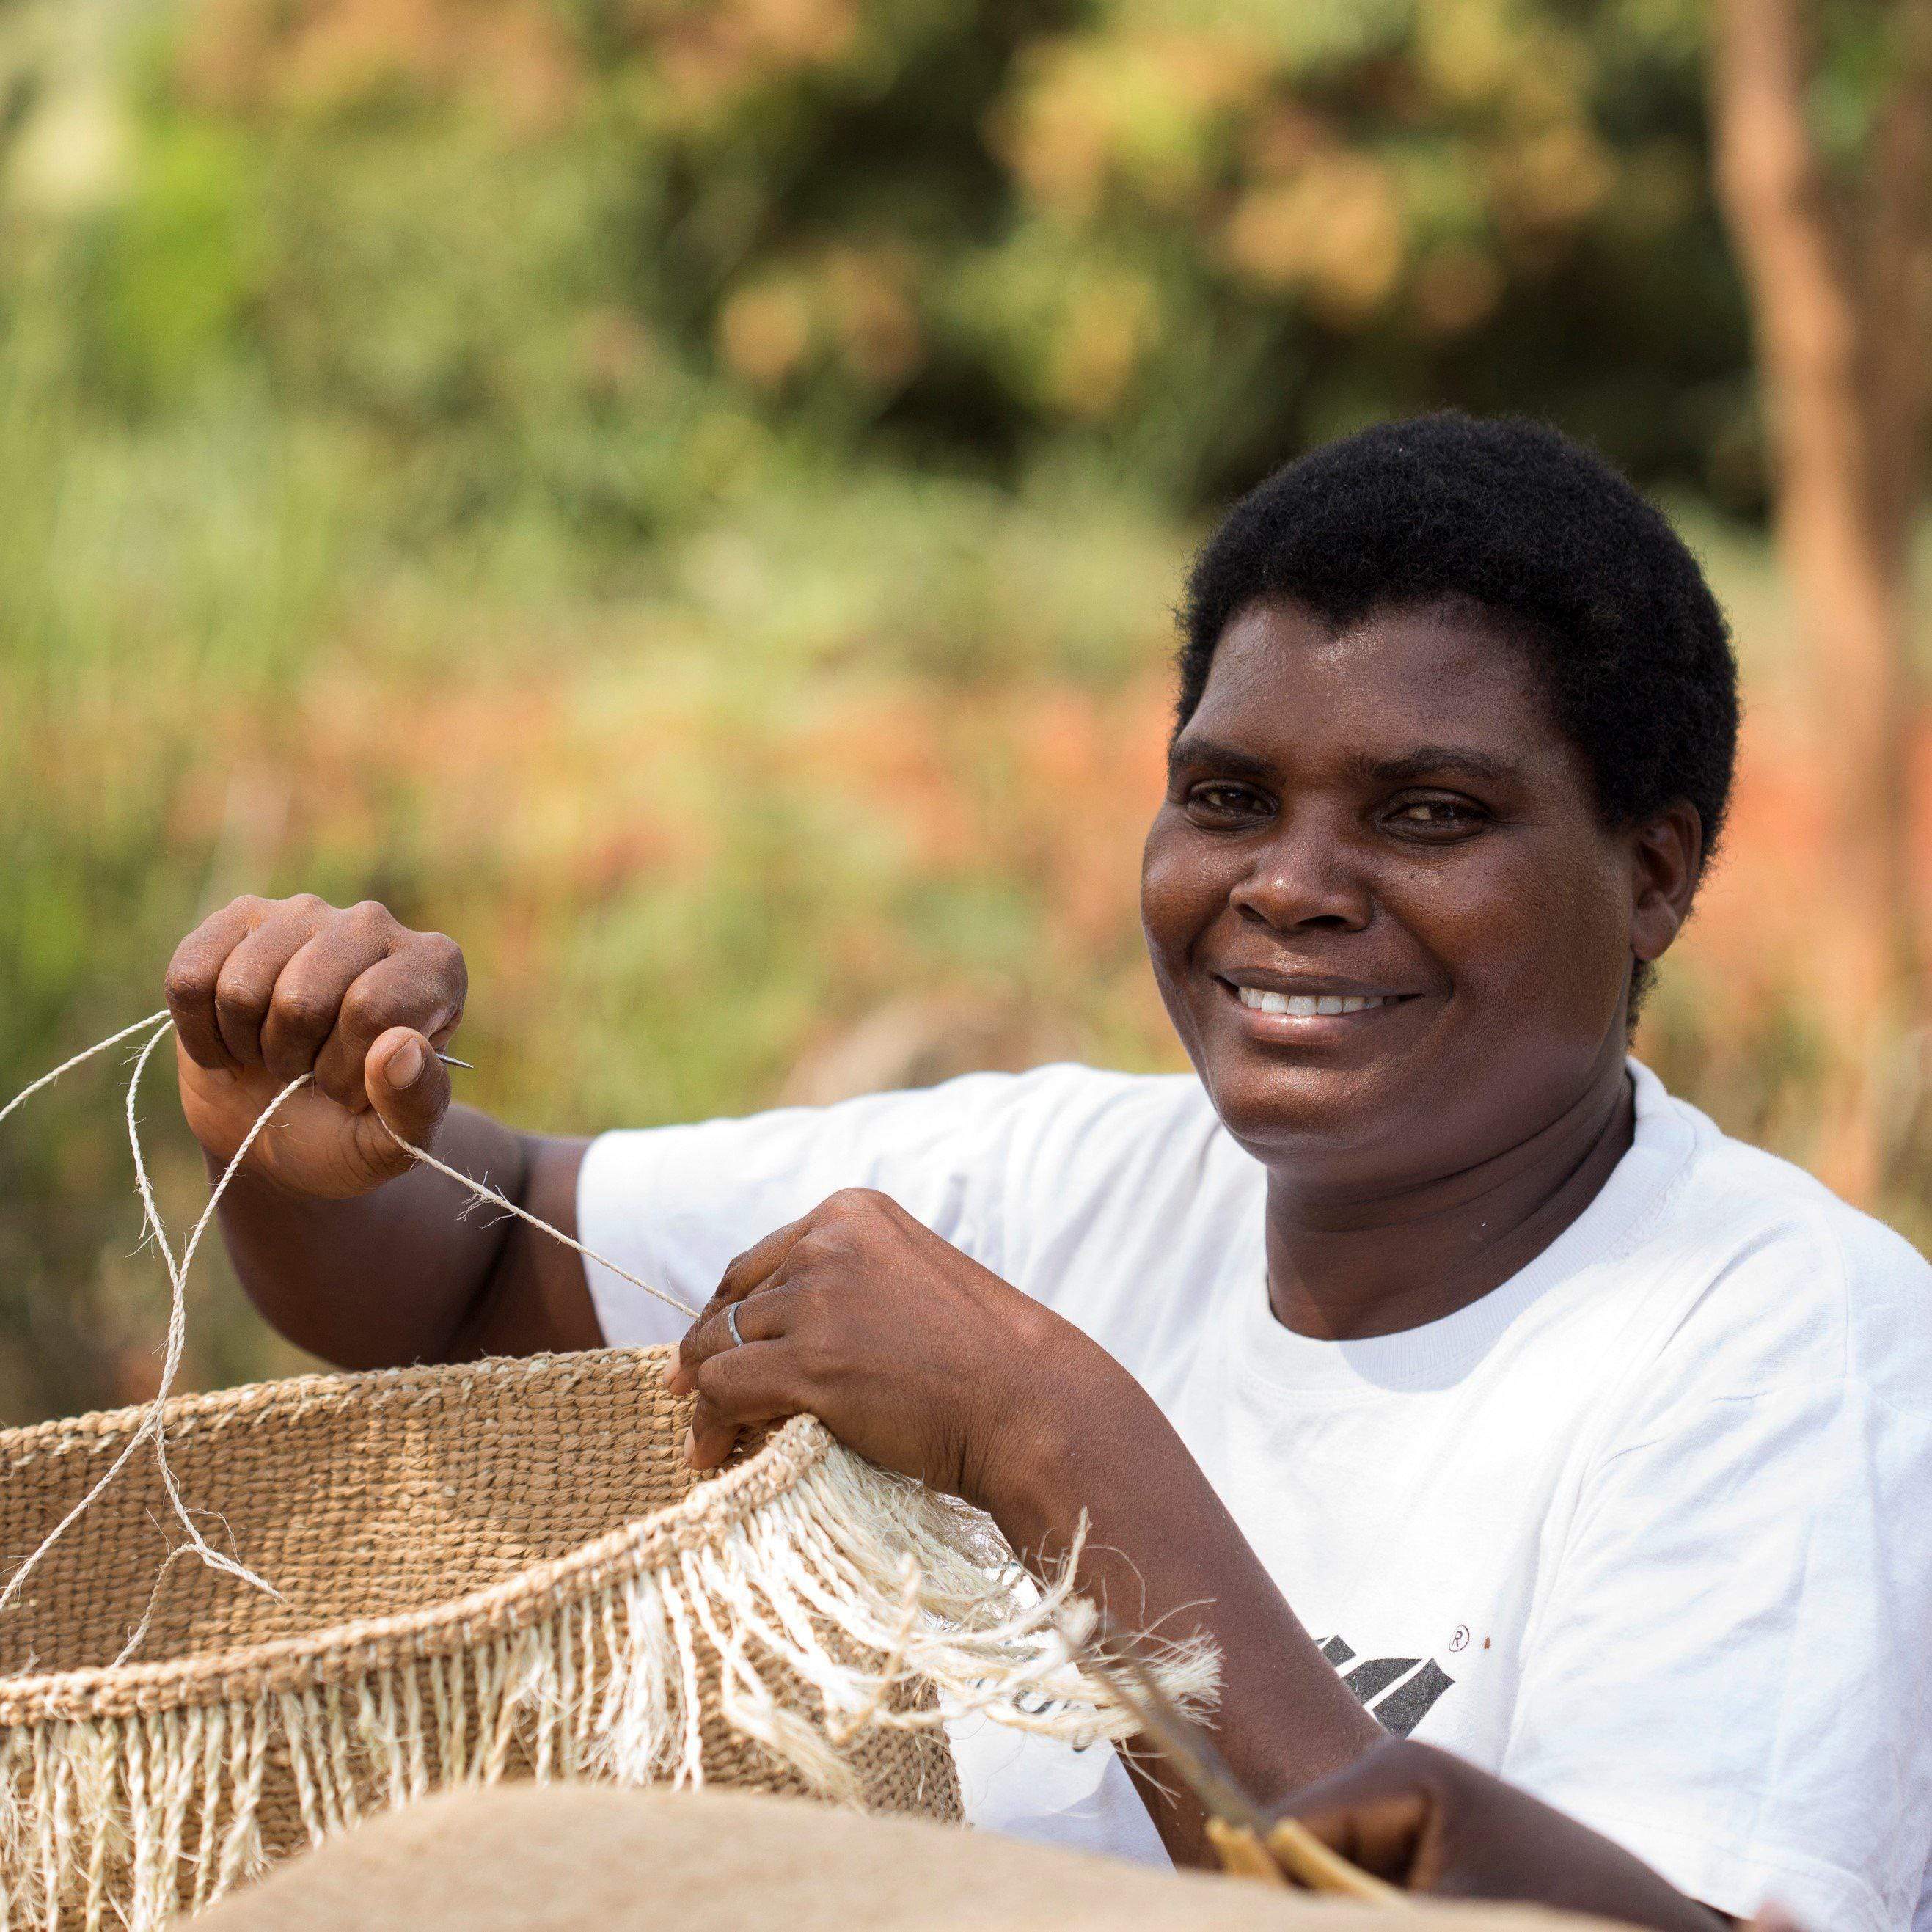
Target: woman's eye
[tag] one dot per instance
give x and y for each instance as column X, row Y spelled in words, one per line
column 1438, row 815
column 1225, row 802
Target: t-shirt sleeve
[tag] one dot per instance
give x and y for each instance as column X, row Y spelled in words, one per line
column 1732, row 1672
column 675, row 1205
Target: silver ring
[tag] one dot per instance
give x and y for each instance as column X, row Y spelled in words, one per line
column 731, row 1322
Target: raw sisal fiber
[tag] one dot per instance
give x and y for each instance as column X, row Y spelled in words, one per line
column 502, row 1570
column 578, row 1860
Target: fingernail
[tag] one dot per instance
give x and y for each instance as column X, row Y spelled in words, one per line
column 690, row 1447
column 406, row 1064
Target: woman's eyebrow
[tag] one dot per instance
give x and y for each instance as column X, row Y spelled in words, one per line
column 1436, row 760
column 1193, row 754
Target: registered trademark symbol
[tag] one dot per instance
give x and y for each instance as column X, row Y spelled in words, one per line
column 1460, row 1641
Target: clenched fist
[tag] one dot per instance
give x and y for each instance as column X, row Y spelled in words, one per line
column 268, row 989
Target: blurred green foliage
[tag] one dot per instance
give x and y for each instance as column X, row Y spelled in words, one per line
column 614, row 257
column 686, row 495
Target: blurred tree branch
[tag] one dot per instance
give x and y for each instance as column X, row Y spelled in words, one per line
column 1838, row 263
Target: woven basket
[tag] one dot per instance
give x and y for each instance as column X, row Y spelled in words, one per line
column 496, row 1570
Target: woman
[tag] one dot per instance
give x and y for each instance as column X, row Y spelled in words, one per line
column 1419, row 1350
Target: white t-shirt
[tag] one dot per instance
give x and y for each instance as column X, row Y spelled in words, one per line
column 1647, row 1530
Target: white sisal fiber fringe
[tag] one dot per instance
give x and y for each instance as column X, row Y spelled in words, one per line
column 849, row 1585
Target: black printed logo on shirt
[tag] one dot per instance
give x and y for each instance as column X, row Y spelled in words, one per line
column 1398, row 1692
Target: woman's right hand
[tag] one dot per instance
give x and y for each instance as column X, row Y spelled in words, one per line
column 265, row 990
column 1424, row 1820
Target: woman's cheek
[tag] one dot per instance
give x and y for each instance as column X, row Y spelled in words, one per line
column 1543, row 944
column 1177, row 895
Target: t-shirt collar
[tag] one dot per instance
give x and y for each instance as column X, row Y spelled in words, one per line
column 1438, row 1354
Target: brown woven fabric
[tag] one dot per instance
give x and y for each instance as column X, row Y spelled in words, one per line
column 497, row 1570
column 573, row 1859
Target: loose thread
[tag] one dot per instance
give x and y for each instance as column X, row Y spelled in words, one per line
column 177, row 1340
column 486, row 1193
column 68, row 1065
column 153, row 1427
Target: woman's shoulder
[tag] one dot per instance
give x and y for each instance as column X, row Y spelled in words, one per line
column 1789, row 1283
column 1074, row 1090
column 1763, row 1197
column 1063, row 1102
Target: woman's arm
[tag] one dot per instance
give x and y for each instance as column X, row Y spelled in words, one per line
column 343, row 1243
column 913, row 1354
column 412, row 1272
column 1162, row 1554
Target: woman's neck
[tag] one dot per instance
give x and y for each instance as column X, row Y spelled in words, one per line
column 1378, row 1264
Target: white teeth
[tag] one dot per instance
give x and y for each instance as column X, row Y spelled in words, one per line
column 1307, row 1006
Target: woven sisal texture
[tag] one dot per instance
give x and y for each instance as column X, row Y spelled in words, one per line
column 497, row 1570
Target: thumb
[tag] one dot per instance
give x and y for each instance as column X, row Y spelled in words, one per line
column 1385, row 1832
column 408, row 1086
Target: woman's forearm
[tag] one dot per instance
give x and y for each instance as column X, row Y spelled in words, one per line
column 1162, row 1554
column 392, row 1276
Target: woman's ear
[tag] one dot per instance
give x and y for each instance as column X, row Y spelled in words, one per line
column 1667, row 854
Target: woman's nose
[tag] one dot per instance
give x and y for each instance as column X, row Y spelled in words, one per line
column 1306, row 877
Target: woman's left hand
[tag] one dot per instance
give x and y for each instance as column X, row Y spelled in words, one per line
column 909, row 1351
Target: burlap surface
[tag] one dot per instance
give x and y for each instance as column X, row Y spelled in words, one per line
column 568, row 1858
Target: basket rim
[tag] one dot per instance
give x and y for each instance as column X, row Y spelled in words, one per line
column 250, row 1402
column 342, row 1652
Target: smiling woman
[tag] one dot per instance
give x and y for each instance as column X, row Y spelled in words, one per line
column 1418, row 1350
column 1389, row 810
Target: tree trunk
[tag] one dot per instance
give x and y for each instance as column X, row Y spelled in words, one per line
column 1841, row 312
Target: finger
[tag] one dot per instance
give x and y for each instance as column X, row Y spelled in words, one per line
column 753, row 1269
column 191, row 975
column 399, row 990
column 760, row 1382
column 409, row 1087
column 307, row 995
column 246, row 983
column 1385, row 1812
column 762, row 1316
column 1382, row 1832
column 759, row 1262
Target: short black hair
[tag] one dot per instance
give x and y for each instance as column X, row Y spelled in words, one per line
column 1553, row 546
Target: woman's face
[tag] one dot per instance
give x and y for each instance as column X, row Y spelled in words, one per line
column 1388, row 819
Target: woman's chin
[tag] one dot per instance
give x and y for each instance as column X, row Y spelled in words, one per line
column 1288, row 1112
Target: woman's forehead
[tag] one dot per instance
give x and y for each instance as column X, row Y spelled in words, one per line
column 1284, row 679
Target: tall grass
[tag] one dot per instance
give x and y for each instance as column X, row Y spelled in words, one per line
column 693, row 819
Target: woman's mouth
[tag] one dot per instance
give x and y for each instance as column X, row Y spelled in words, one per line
column 1270, row 1013
column 1307, row 1006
